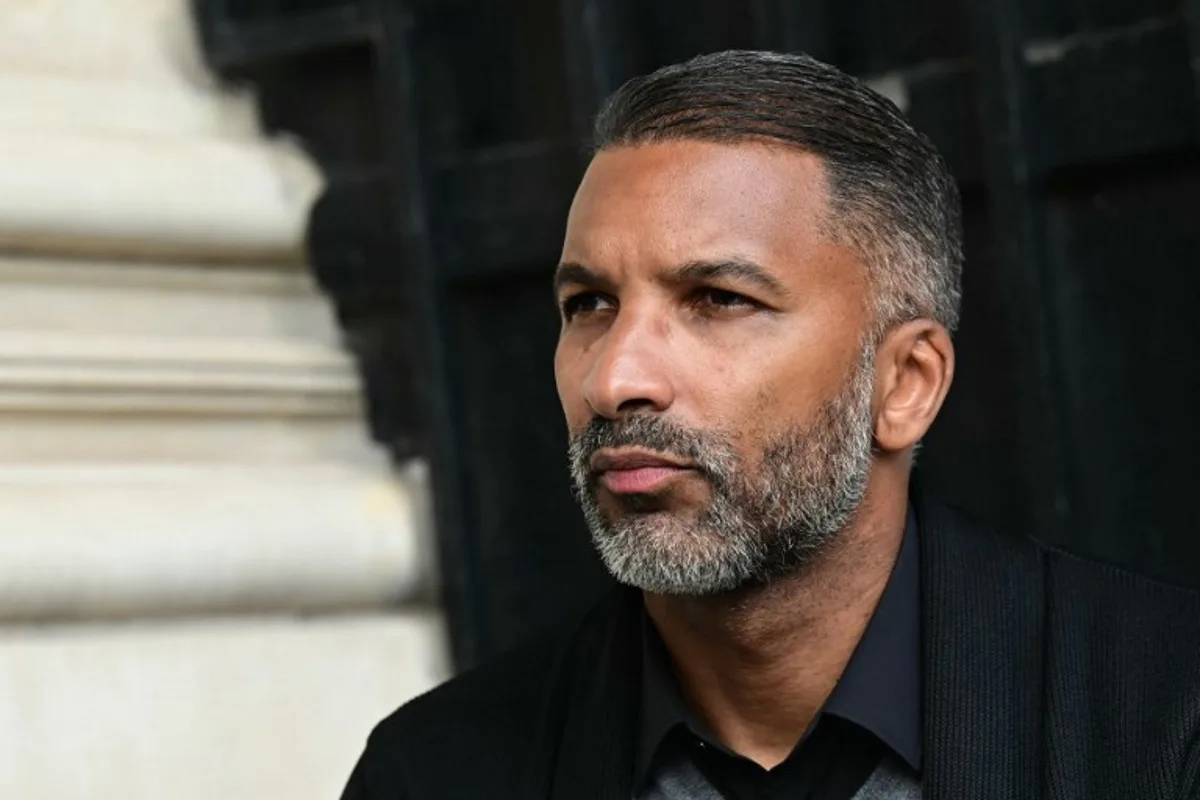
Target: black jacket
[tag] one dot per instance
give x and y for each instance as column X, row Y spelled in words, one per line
column 1045, row 676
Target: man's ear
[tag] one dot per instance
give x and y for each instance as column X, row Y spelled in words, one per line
column 914, row 366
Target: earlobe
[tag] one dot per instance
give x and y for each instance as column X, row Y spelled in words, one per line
column 915, row 367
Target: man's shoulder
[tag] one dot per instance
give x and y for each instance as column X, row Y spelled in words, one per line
column 496, row 712
column 503, row 692
column 441, row 741
column 1122, row 652
column 1106, row 661
column 1080, row 589
column 1129, row 624
column 1098, row 620
column 1116, row 598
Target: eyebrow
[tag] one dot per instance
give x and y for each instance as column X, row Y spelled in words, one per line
column 570, row 272
column 731, row 269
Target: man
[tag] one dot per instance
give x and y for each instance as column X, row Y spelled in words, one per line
column 758, row 284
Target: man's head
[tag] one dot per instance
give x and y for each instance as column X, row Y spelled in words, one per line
column 760, row 271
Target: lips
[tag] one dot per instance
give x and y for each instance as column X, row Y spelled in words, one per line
column 637, row 472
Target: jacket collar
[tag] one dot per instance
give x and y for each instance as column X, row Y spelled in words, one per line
column 983, row 598
column 596, row 749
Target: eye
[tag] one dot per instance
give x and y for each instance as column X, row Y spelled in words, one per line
column 723, row 298
column 583, row 303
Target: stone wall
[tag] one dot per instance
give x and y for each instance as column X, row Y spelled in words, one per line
column 211, row 584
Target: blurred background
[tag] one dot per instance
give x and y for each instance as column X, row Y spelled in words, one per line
column 279, row 440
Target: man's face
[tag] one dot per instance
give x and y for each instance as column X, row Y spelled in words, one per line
column 713, row 364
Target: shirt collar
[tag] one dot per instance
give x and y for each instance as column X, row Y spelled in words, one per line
column 880, row 690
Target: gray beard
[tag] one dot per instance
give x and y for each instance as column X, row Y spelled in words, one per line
column 757, row 527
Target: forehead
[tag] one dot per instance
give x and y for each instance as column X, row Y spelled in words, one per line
column 671, row 202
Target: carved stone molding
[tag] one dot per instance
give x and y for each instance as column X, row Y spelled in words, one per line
column 200, row 547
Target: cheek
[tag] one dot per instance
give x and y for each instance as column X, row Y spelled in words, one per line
column 731, row 395
column 756, row 400
column 768, row 414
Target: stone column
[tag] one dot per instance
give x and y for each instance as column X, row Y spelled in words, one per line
column 211, row 584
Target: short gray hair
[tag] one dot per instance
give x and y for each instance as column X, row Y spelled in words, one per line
column 892, row 196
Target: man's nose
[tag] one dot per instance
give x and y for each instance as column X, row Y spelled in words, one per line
column 629, row 371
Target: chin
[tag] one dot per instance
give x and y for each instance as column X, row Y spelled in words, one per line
column 660, row 555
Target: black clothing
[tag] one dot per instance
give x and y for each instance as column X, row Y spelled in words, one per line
column 1045, row 677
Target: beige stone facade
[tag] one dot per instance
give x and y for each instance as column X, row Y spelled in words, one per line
column 211, row 583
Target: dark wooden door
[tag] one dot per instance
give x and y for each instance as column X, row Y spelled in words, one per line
column 450, row 132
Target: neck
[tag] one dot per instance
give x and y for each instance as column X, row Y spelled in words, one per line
column 757, row 664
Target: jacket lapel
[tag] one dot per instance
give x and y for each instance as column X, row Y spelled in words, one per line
column 595, row 753
column 983, row 611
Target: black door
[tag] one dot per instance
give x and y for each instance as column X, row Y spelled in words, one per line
column 451, row 132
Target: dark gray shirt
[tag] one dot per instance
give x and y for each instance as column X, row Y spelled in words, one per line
column 869, row 727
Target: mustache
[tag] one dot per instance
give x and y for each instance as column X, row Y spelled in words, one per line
column 711, row 452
